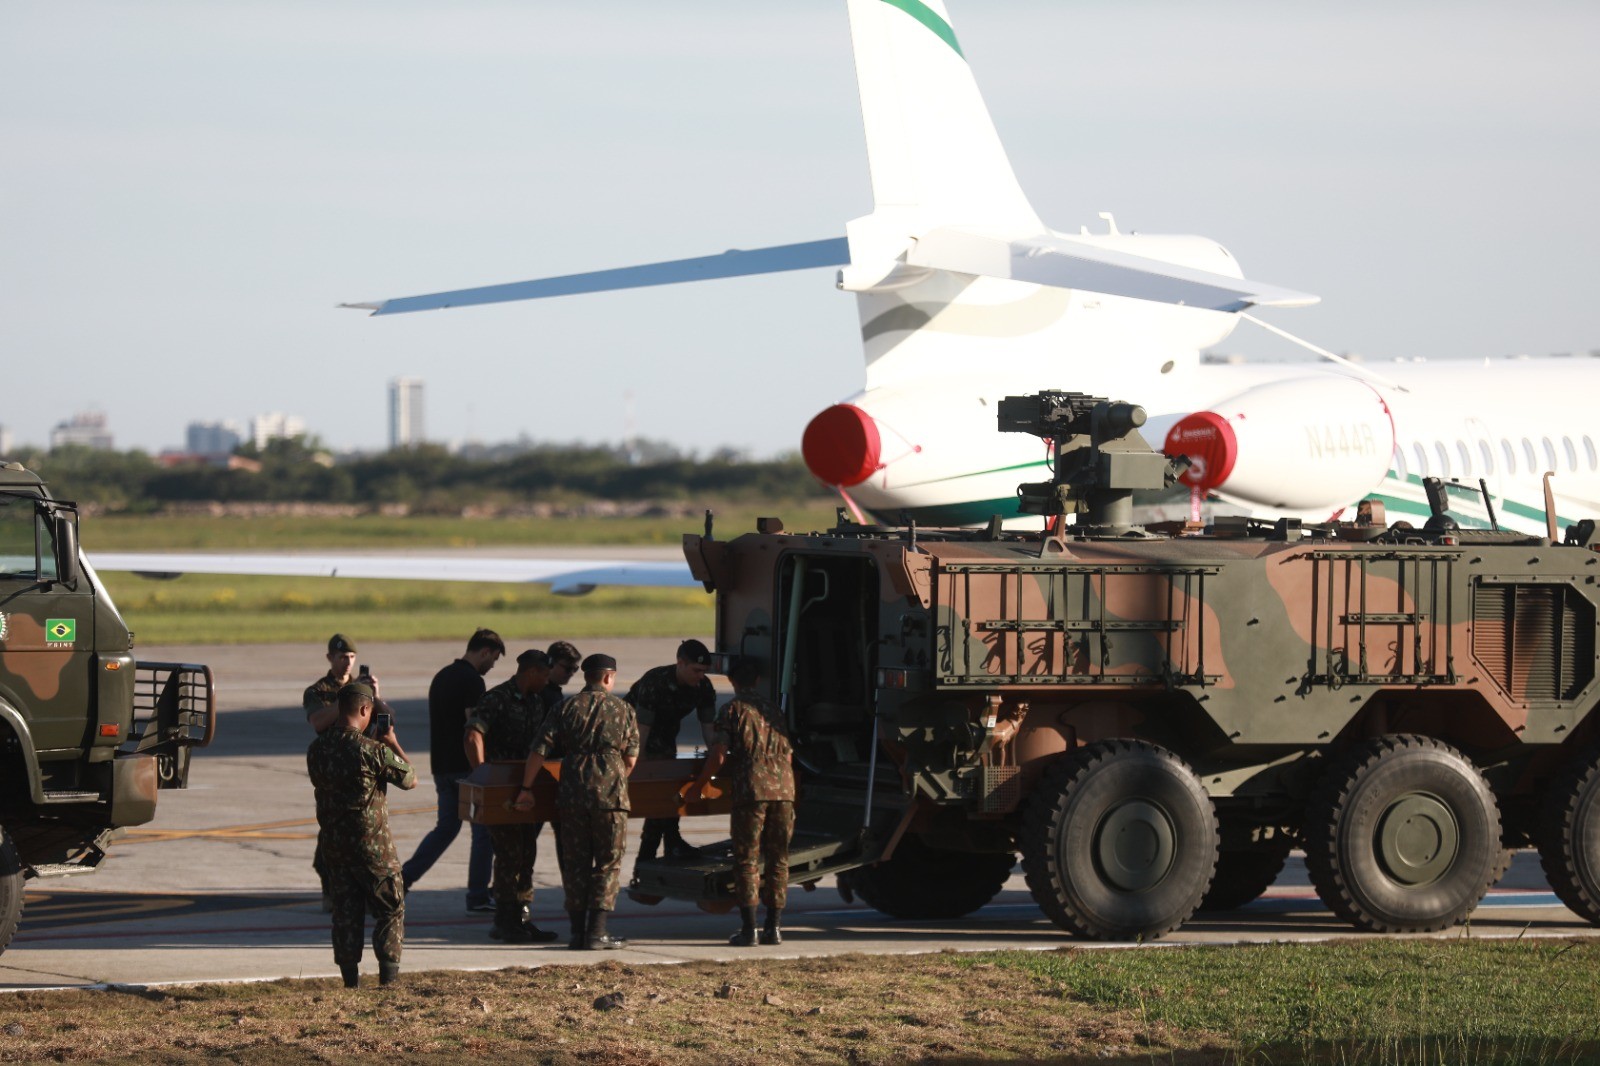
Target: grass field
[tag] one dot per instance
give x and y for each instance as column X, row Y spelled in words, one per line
column 1381, row 1001
column 208, row 609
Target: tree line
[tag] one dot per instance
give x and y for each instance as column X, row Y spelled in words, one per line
column 424, row 478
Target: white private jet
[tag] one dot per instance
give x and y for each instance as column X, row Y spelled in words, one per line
column 965, row 296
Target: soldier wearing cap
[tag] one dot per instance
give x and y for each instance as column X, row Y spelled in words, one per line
column 503, row 726
column 348, row 771
column 662, row 699
column 750, row 736
column 598, row 739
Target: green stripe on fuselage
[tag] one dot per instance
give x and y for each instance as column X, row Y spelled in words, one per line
column 925, row 15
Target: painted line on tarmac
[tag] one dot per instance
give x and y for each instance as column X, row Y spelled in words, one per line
column 255, row 831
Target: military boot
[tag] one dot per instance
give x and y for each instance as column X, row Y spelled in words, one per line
column 746, row 936
column 772, row 933
column 580, row 930
column 598, row 939
column 351, row 974
column 508, row 925
column 388, row 973
column 676, row 846
column 649, row 840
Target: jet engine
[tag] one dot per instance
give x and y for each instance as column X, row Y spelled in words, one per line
column 1304, row 444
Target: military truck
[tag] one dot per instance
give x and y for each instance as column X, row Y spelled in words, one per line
column 1152, row 718
column 88, row 735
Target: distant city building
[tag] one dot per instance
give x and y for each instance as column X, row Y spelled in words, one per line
column 87, row 428
column 5, row 442
column 275, row 426
column 405, row 413
column 212, row 438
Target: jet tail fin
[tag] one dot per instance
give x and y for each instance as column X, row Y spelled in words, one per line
column 932, row 147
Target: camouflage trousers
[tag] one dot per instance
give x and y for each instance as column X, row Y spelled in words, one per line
column 591, row 856
column 516, row 847
column 761, row 832
column 357, row 892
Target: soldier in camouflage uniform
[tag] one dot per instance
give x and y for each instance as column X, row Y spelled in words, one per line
column 503, row 726
column 751, row 738
column 564, row 660
column 598, row 739
column 662, row 699
column 348, row 771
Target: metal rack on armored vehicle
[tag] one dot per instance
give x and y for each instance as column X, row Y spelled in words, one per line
column 1152, row 720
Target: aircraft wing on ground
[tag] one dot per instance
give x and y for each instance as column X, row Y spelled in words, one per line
column 566, row 577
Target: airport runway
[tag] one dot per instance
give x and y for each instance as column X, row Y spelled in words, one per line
column 220, row 887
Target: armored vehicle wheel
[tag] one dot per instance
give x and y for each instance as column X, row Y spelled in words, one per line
column 923, row 883
column 1243, row 873
column 10, row 889
column 1119, row 841
column 1569, row 837
column 1403, row 836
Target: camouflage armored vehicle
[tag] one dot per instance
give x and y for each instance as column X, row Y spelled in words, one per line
column 1152, row 719
column 87, row 735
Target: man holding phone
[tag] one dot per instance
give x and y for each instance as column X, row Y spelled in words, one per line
column 350, row 771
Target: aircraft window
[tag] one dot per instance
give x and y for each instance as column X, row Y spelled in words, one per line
column 1444, row 458
column 1400, row 462
column 1422, row 459
column 1550, row 454
column 1466, row 458
column 1588, row 448
column 1572, row 453
column 1510, row 454
column 1488, row 457
column 1527, row 450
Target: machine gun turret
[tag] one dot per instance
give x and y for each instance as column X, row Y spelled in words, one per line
column 1099, row 458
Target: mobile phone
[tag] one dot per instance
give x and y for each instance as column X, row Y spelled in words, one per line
column 382, row 722
column 365, row 671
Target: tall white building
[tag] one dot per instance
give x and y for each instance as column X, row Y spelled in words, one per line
column 267, row 427
column 87, row 428
column 212, row 438
column 405, row 413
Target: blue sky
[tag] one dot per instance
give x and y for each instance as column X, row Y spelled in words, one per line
column 187, row 188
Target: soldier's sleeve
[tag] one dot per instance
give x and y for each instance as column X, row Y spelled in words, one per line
column 722, row 724
column 396, row 770
column 312, row 700
column 642, row 697
column 544, row 742
column 630, row 731
column 706, row 702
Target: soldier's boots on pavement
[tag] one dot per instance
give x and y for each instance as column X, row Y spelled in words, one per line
column 772, row 932
column 511, row 925
column 746, row 936
column 597, row 939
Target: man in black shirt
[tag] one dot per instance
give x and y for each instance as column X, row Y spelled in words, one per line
column 456, row 689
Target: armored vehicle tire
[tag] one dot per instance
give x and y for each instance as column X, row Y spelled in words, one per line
column 1403, row 836
column 1119, row 841
column 10, row 889
column 924, row 883
column 1244, row 873
column 1569, row 837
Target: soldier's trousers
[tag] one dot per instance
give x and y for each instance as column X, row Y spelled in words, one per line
column 761, row 833
column 516, row 847
column 357, row 892
column 591, row 856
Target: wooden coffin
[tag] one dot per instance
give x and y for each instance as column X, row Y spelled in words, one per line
column 488, row 792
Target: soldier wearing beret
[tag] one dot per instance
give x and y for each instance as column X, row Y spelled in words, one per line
column 662, row 699
column 503, row 726
column 598, row 739
column 564, row 661
column 348, row 771
column 752, row 739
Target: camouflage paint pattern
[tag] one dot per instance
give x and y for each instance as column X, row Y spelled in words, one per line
column 761, row 833
column 592, row 843
column 593, row 732
column 508, row 720
column 354, row 893
column 760, row 764
column 662, row 705
column 348, row 771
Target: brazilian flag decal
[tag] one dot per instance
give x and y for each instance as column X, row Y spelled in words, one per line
column 60, row 630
